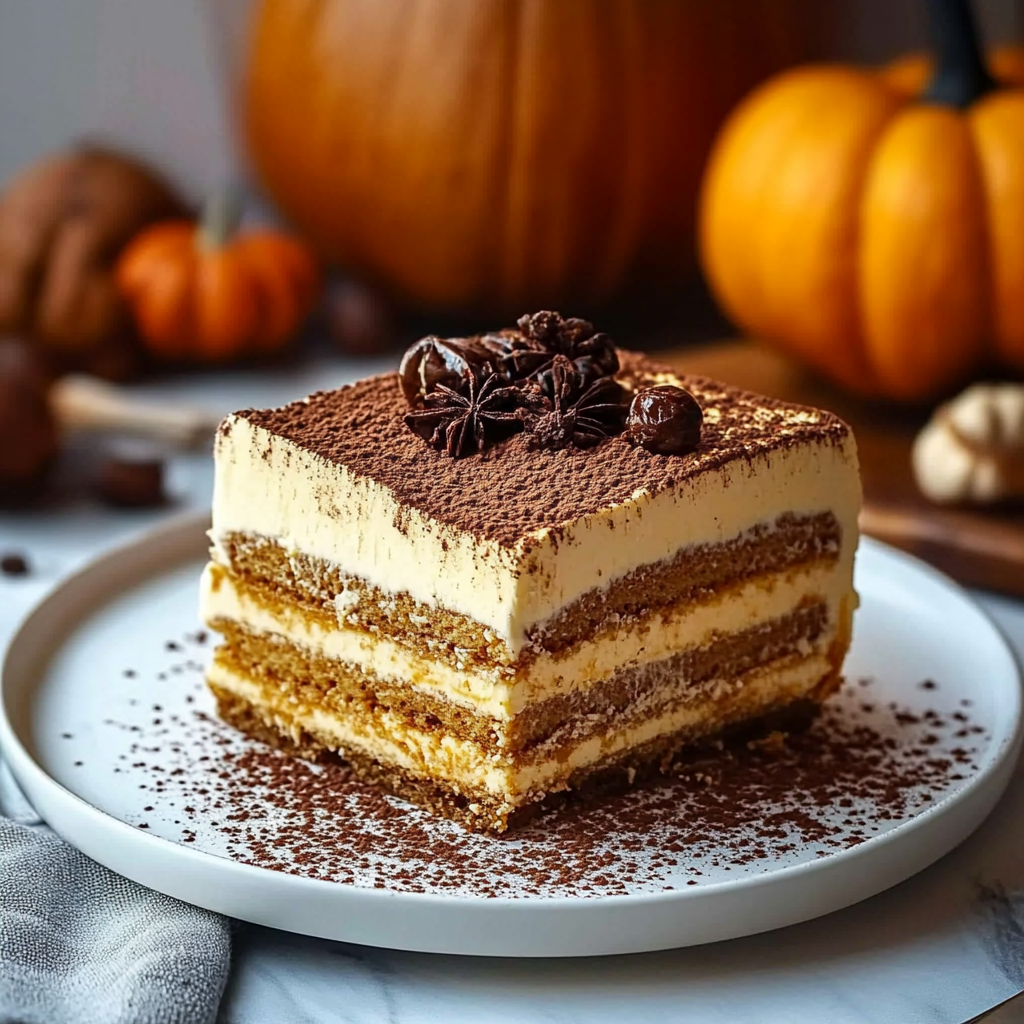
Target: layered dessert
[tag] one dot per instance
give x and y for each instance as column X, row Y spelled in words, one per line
column 527, row 564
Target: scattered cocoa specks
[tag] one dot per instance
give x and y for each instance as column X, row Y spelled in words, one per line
column 14, row 564
column 863, row 767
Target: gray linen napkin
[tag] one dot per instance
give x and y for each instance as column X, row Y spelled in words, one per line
column 81, row 945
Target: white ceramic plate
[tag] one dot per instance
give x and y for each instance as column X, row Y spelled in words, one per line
column 85, row 742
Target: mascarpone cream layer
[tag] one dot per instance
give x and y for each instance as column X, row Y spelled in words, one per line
column 501, row 694
column 389, row 738
column 269, row 486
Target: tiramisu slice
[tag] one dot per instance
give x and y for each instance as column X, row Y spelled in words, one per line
column 527, row 564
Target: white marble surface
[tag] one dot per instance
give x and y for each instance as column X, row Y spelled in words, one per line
column 936, row 950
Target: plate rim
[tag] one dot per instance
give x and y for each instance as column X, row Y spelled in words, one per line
column 180, row 532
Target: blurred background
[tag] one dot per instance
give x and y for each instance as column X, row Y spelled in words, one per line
column 149, row 75
column 200, row 197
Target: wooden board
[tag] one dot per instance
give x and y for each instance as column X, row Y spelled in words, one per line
column 978, row 548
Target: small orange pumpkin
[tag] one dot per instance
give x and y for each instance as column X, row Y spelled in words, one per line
column 872, row 223
column 201, row 293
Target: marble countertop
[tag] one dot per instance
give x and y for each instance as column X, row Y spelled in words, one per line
column 937, row 949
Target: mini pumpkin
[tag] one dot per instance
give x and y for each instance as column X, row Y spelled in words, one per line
column 62, row 223
column 873, row 230
column 201, row 292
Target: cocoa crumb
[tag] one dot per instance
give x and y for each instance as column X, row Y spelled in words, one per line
column 14, row 564
column 859, row 769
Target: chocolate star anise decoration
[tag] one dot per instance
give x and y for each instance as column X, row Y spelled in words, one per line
column 578, row 412
column 459, row 419
column 553, row 376
column 546, row 334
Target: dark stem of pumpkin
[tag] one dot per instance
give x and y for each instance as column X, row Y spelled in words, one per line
column 961, row 76
column 222, row 213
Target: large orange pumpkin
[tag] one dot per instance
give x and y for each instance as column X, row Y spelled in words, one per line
column 502, row 153
column 872, row 224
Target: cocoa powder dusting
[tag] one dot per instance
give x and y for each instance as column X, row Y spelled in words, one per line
column 864, row 766
column 514, row 488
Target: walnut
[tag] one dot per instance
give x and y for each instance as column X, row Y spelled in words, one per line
column 63, row 222
column 972, row 449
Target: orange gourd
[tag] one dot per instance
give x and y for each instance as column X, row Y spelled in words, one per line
column 502, row 154
column 201, row 293
column 872, row 223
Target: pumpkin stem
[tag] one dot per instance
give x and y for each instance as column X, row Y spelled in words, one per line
column 961, row 76
column 222, row 213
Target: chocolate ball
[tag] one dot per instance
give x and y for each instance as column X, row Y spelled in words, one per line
column 665, row 419
column 427, row 363
column 29, row 438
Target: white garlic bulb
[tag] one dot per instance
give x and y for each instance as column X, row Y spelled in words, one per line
column 972, row 449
